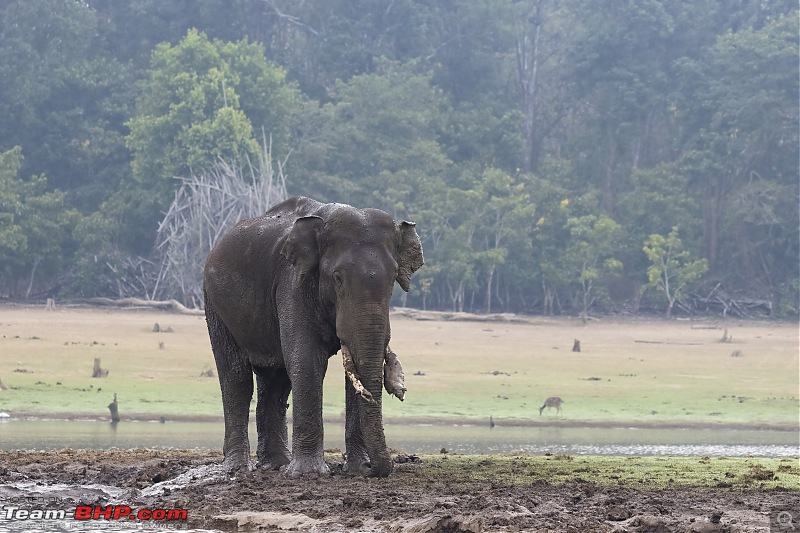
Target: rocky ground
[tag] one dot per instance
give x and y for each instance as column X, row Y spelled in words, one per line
column 420, row 496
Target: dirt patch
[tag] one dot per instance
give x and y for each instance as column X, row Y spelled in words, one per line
column 417, row 497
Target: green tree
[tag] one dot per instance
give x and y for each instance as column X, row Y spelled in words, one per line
column 35, row 229
column 672, row 267
column 504, row 216
column 63, row 99
column 204, row 100
column 659, row 199
column 591, row 254
column 377, row 141
column 741, row 121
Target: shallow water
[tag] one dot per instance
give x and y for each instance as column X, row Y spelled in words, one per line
column 82, row 434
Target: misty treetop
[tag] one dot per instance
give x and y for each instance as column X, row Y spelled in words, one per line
column 558, row 157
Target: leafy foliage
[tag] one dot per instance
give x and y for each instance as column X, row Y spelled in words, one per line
column 537, row 144
column 672, row 268
column 35, row 227
column 200, row 104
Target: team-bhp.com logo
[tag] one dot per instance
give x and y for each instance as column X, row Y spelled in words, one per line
column 95, row 512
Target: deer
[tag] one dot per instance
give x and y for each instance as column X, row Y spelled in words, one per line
column 553, row 401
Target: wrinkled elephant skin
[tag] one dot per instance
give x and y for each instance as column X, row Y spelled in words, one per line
column 284, row 292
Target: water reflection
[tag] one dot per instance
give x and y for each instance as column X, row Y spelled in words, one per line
column 56, row 434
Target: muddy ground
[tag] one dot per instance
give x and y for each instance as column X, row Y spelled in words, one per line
column 419, row 496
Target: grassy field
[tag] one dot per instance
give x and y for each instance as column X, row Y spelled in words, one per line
column 638, row 472
column 634, row 372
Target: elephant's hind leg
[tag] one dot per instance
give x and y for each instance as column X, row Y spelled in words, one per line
column 273, row 441
column 236, row 383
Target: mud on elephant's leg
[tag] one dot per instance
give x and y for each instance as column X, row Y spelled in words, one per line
column 273, row 442
column 237, row 392
column 236, row 384
column 393, row 377
column 307, row 430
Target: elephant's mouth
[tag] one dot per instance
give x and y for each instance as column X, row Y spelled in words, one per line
column 393, row 376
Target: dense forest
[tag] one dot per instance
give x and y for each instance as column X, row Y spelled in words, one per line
column 557, row 156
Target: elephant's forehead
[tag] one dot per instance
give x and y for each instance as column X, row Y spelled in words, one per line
column 365, row 223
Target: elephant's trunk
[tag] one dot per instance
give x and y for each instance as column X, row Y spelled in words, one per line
column 372, row 418
column 368, row 351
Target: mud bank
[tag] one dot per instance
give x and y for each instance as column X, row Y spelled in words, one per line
column 420, row 496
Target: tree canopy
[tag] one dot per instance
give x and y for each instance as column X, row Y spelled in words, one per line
column 547, row 150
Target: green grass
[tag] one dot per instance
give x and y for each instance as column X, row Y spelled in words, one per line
column 46, row 359
column 638, row 472
column 682, row 374
column 88, row 397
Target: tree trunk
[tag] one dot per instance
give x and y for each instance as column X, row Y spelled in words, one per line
column 30, row 283
column 489, row 289
column 711, row 216
column 528, row 54
column 98, row 371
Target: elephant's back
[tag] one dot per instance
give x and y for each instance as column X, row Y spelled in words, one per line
column 248, row 253
column 297, row 206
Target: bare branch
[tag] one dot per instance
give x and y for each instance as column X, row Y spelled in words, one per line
column 291, row 18
column 205, row 207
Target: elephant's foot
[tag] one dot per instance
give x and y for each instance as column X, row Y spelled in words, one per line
column 236, row 462
column 273, row 461
column 306, row 465
column 357, row 465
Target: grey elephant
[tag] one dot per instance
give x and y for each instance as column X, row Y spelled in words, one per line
column 283, row 293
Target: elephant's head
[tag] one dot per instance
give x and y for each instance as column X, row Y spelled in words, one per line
column 356, row 256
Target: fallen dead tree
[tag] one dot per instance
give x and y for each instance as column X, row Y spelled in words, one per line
column 163, row 305
column 717, row 299
column 461, row 316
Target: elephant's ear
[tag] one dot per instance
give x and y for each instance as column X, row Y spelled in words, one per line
column 409, row 254
column 302, row 248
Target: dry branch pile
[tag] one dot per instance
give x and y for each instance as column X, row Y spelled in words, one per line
column 205, row 207
column 719, row 300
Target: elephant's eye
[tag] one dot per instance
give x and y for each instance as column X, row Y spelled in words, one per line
column 337, row 278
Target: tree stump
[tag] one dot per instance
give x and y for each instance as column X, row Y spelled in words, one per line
column 576, row 347
column 98, row 372
column 113, row 407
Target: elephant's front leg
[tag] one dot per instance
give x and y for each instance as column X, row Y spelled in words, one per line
column 357, row 461
column 307, row 375
column 273, row 442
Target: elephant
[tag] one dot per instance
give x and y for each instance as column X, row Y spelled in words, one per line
column 283, row 293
